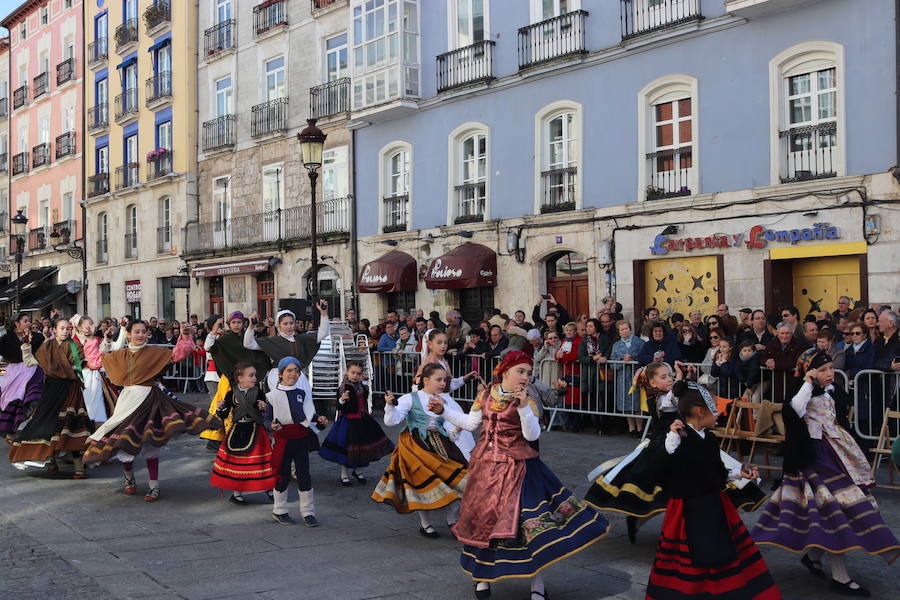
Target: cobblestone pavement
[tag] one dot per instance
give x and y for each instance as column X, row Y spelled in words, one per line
column 63, row 539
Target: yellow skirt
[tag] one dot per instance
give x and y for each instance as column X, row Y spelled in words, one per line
column 217, row 435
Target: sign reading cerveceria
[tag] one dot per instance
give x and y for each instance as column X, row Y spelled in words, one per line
column 758, row 237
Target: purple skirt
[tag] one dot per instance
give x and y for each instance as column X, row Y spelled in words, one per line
column 821, row 507
column 21, row 388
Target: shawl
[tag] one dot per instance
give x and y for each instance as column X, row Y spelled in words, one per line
column 127, row 367
column 60, row 360
column 229, row 350
column 11, row 346
column 303, row 348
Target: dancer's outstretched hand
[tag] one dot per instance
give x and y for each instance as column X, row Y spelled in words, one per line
column 390, row 399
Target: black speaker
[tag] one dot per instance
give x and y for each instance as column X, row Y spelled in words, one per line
column 302, row 308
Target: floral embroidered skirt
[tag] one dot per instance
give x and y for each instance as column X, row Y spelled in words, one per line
column 553, row 524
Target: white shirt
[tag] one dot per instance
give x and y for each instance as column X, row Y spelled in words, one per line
column 394, row 415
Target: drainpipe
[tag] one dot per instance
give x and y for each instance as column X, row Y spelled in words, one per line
column 83, row 203
column 354, row 242
column 896, row 171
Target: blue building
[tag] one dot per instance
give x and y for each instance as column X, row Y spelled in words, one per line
column 597, row 147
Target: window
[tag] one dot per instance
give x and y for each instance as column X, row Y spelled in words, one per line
column 399, row 173
column 274, row 86
column 273, row 200
column 23, row 31
column 468, row 173
column 558, row 153
column 668, row 161
column 105, row 300
column 102, row 91
column 131, row 10
column 67, row 4
column 541, row 10
column 164, row 232
column 102, row 160
column 162, row 60
column 45, row 130
column 103, row 229
column 164, row 135
column 131, row 149
column 223, row 11
column 336, row 66
column 45, row 15
column 468, row 24
column 166, row 296
column 221, row 212
column 68, row 208
column 100, row 27
column 131, row 228
column 395, row 184
column 335, row 173
column 44, row 213
column 224, row 97
column 385, row 50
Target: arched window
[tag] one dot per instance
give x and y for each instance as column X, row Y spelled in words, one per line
column 558, row 156
column 395, row 183
column 469, row 152
column 102, row 238
column 131, row 231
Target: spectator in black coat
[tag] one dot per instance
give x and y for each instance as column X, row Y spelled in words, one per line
column 887, row 347
column 758, row 333
column 860, row 353
column 725, row 368
column 690, row 345
column 659, row 348
column 748, row 368
column 781, row 357
column 541, row 315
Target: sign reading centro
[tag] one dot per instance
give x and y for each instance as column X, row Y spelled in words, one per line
column 758, row 237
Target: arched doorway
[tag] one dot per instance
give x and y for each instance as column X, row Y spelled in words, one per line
column 265, row 294
column 329, row 288
column 567, row 280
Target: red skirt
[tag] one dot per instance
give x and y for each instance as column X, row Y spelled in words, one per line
column 245, row 471
column 675, row 578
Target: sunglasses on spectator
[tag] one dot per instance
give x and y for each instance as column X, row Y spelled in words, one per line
column 857, row 333
column 713, row 337
column 686, row 331
column 785, row 315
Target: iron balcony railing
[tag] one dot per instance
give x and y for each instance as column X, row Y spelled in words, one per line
column 558, row 189
column 465, row 66
column 330, row 98
column 20, row 163
column 126, row 34
column 219, row 133
column 4, row 108
column 269, row 117
column 670, row 172
column 40, row 155
column 643, row 16
column 156, row 14
column 159, row 165
column 4, row 164
column 98, row 185
column 102, row 251
column 126, row 104
column 269, row 15
column 552, row 39
column 37, row 239
column 127, row 175
column 131, row 245
column 163, row 240
column 41, row 84
column 808, row 152
column 98, row 116
column 98, row 51
column 65, row 144
column 290, row 224
column 470, row 201
column 319, row 4
column 219, row 37
column 396, row 213
column 159, row 87
column 20, row 97
column 66, row 230
column 65, row 71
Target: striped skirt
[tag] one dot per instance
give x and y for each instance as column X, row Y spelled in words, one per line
column 246, row 469
column 21, row 390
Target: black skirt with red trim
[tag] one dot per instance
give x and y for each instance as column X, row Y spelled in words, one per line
column 676, row 576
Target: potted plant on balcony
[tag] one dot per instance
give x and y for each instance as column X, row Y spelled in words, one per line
column 155, row 155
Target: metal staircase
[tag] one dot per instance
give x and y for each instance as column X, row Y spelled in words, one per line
column 330, row 363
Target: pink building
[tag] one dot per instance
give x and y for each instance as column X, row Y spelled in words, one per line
column 45, row 148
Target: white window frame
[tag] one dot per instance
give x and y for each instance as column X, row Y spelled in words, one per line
column 384, row 179
column 220, row 7
column 271, row 214
column 226, row 93
column 221, row 210
column 23, row 31
column 335, row 172
column 537, row 9
column 45, row 15
column 337, row 50
column 797, row 60
column 665, row 89
column 453, row 41
column 165, row 220
column 266, row 73
column 131, row 227
column 103, row 229
column 541, row 122
column 455, row 164
column 68, row 208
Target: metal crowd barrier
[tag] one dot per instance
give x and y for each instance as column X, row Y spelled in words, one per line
column 394, row 372
column 874, row 392
column 184, row 371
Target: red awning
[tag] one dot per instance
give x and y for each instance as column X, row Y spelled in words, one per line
column 393, row 272
column 235, row 267
column 466, row 266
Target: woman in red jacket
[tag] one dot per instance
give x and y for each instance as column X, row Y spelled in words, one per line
column 567, row 356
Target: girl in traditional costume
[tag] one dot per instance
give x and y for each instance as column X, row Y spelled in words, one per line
column 60, row 422
column 516, row 517
column 824, row 504
column 22, row 383
column 145, row 417
column 99, row 394
column 427, row 470
column 355, row 439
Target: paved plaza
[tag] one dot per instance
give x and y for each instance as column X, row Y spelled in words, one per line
column 63, row 539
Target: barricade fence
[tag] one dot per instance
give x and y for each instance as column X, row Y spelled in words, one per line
column 186, row 371
column 874, row 392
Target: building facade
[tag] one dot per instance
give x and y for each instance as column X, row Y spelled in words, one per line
column 4, row 148
column 141, row 152
column 265, row 68
column 673, row 153
column 44, row 74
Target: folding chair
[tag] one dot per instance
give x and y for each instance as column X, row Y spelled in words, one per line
column 883, row 448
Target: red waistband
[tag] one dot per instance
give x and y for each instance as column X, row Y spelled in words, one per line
column 291, row 432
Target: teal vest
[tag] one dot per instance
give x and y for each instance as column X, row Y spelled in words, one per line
column 417, row 420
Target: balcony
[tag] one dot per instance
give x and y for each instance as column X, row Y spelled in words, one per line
column 98, row 117
column 269, row 15
column 156, row 15
column 65, row 145
column 20, row 97
column 808, row 152
column 102, row 256
column 552, row 39
column 269, row 117
column 163, row 240
column 328, row 99
column 40, row 156
column 396, row 213
column 323, row 4
column 20, row 163
column 66, row 230
column 644, row 16
column 37, row 239
column 4, row 222
column 466, row 66
column 219, row 38
column 218, row 133
column 671, row 173
column 752, row 9
column 126, row 35
column 159, row 163
column 4, row 163
column 127, row 176
column 558, row 189
column 131, row 245
column 470, row 200
column 4, row 108
column 98, row 52
column 65, row 71
column 290, row 225
column 98, row 185
column 126, row 105
column 41, row 85
column 159, row 89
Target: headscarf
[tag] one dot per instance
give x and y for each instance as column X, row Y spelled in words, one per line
column 75, row 320
column 707, row 397
column 236, row 315
column 513, row 358
column 425, row 339
column 813, row 358
column 286, row 361
column 281, row 313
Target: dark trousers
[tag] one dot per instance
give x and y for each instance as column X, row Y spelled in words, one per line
column 296, row 453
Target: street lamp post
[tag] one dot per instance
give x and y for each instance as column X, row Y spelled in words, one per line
column 312, row 142
column 20, row 223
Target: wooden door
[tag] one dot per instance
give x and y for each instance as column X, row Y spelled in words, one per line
column 572, row 292
column 819, row 282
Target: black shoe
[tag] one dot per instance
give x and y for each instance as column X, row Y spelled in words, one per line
column 359, row 477
column 813, row 566
column 239, row 500
column 429, row 532
column 310, row 521
column 539, row 596
column 482, row 594
column 346, row 482
column 631, row 523
column 844, row 589
column 213, row 445
column 284, row 519
column 270, row 496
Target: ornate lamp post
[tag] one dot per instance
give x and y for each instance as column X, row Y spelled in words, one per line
column 312, row 142
column 19, row 227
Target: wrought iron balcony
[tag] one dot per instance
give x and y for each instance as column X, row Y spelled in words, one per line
column 20, row 97
column 131, row 249
column 644, row 16
column 65, row 145
column 396, row 213
column 4, row 108
column 269, row 15
column 20, row 163
column 156, row 14
column 65, row 71
column 671, row 173
column 66, row 230
column 41, row 85
column 159, row 164
column 808, row 152
column 159, row 88
column 163, row 240
column 98, row 185
column 558, row 189
column 40, row 155
column 320, row 4
column 126, row 34
column 219, row 37
column 269, row 117
column 470, row 201
column 551, row 39
column 4, row 163
column 126, row 104
column 127, row 176
column 102, row 256
column 466, row 66
column 98, row 51
column 330, row 98
column 218, row 133
column 37, row 239
column 98, row 116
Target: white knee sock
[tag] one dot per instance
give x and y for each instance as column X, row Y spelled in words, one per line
column 307, row 504
column 423, row 519
column 815, row 554
column 537, row 583
column 453, row 513
column 345, row 473
column 281, row 500
column 839, row 568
